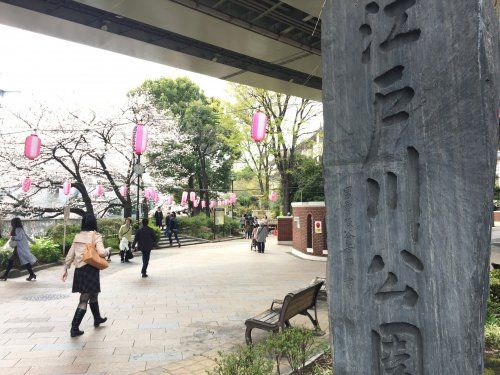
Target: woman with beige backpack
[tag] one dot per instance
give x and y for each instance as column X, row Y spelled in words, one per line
column 88, row 255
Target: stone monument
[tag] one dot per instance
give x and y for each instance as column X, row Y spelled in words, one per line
column 410, row 95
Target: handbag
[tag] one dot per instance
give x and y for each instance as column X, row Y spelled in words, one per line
column 129, row 255
column 123, row 244
column 92, row 257
column 12, row 243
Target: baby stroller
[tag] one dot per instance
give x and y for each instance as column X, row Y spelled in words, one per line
column 253, row 246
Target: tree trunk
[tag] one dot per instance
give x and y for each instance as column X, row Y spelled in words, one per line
column 286, row 192
column 127, row 209
column 80, row 186
column 204, row 179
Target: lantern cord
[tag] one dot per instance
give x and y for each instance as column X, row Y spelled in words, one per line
column 230, row 112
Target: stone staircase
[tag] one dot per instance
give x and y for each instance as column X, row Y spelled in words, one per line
column 184, row 240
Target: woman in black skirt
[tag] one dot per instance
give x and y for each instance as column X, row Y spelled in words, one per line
column 86, row 279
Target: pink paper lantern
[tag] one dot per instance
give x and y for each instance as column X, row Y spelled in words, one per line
column 26, row 184
column 184, row 198
column 226, row 202
column 99, row 191
column 140, row 139
column 196, row 203
column 170, row 199
column 32, row 146
column 203, row 204
column 124, row 191
column 259, row 126
column 148, row 193
column 213, row 204
column 192, row 196
column 66, row 187
column 273, row 196
column 232, row 198
column 156, row 196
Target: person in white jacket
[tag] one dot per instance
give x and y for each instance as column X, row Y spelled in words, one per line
column 86, row 280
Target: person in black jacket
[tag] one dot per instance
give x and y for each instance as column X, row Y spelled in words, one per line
column 174, row 228
column 159, row 218
column 145, row 240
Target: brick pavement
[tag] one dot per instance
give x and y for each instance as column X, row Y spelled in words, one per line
column 174, row 322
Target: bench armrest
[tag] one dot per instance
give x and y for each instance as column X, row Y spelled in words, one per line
column 276, row 301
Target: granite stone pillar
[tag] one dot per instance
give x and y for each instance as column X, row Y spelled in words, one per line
column 410, row 102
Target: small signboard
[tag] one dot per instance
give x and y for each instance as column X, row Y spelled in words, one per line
column 318, row 227
column 219, row 216
column 297, row 221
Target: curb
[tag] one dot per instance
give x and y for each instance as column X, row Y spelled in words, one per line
column 15, row 273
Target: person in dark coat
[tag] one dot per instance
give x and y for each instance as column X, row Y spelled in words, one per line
column 174, row 229
column 145, row 241
column 159, row 218
column 261, row 236
column 167, row 224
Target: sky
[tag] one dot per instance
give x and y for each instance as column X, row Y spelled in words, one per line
column 64, row 73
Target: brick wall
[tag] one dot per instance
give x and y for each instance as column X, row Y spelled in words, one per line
column 301, row 211
column 285, row 229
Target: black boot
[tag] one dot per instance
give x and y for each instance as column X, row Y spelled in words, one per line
column 32, row 274
column 5, row 276
column 75, row 324
column 94, row 307
column 122, row 256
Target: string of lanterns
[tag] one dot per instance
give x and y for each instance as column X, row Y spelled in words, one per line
column 32, row 147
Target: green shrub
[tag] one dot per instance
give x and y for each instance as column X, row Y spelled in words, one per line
column 492, row 337
column 112, row 242
column 297, row 345
column 202, row 226
column 246, row 360
column 56, row 233
column 158, row 234
column 107, row 227
column 495, row 285
column 46, row 250
column 231, row 226
column 4, row 256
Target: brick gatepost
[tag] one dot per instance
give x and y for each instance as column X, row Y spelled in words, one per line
column 306, row 216
column 285, row 230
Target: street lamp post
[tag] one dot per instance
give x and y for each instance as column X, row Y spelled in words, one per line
column 140, row 141
column 232, row 177
column 137, row 216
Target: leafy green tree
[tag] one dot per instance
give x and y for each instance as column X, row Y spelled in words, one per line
column 289, row 122
column 308, row 179
column 206, row 143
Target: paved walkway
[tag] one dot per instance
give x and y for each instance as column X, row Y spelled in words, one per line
column 192, row 305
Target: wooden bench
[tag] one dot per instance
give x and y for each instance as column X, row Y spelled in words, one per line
column 294, row 303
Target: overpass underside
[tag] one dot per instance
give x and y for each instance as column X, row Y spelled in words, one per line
column 271, row 44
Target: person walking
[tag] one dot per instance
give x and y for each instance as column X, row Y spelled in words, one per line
column 86, row 280
column 145, row 239
column 248, row 227
column 21, row 250
column 167, row 224
column 261, row 236
column 174, row 229
column 159, row 217
column 125, row 237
